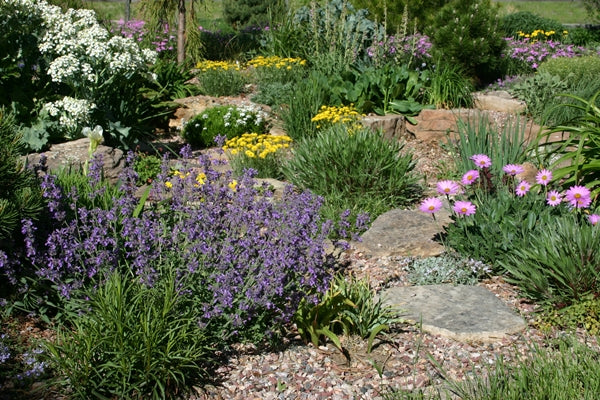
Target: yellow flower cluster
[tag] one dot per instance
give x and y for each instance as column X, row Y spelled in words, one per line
column 334, row 114
column 540, row 34
column 208, row 65
column 275, row 62
column 200, row 178
column 254, row 145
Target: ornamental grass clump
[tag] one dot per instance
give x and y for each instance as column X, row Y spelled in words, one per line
column 262, row 152
column 358, row 170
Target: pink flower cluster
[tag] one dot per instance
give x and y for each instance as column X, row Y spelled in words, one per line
column 576, row 196
column 136, row 30
column 534, row 52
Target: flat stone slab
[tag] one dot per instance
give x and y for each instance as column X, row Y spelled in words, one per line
column 463, row 313
column 404, row 233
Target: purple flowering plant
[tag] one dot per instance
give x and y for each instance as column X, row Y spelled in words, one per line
column 161, row 41
column 250, row 259
column 531, row 53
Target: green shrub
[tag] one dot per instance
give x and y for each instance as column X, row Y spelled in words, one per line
column 465, row 33
column 274, row 94
column 242, row 13
column 147, row 166
column 537, row 91
column 135, row 342
column 527, row 22
column 583, row 36
column 228, row 121
column 360, row 170
column 20, row 194
column 572, row 70
column 447, row 268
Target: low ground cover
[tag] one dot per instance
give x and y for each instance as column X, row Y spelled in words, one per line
column 145, row 285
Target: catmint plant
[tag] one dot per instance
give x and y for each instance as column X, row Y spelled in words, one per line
column 247, row 258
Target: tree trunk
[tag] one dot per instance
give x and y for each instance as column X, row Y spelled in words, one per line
column 127, row 10
column 181, row 32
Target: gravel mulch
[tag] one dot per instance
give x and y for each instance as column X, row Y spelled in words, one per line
column 403, row 360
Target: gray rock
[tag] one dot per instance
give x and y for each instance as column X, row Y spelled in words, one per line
column 498, row 101
column 463, row 313
column 73, row 154
column 404, row 233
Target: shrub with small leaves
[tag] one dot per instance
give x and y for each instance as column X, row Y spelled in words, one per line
column 582, row 314
column 147, row 166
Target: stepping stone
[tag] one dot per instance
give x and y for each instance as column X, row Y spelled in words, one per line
column 463, row 313
column 404, row 233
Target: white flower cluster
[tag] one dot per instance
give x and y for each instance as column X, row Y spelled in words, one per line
column 71, row 112
column 248, row 114
column 80, row 49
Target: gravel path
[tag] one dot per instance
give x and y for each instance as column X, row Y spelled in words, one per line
column 402, row 360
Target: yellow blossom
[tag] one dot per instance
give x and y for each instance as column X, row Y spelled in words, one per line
column 232, row 185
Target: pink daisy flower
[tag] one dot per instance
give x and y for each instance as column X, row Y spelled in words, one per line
column 481, row 160
column 448, row 187
column 543, row 177
column 553, row 198
column 513, row 169
column 430, row 205
column 578, row 196
column 522, row 188
column 594, row 219
column 464, row 208
column 470, row 177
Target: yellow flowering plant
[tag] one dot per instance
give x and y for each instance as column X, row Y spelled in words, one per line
column 542, row 35
column 275, row 68
column 220, row 78
column 333, row 115
column 262, row 152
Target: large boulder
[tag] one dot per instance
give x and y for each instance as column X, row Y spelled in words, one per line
column 74, row 154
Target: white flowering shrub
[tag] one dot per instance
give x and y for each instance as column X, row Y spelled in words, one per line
column 91, row 76
column 228, row 121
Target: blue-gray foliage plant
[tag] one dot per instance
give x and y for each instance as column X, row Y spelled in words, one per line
column 251, row 259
